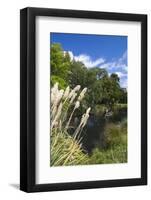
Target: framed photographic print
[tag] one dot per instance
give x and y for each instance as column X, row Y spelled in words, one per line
column 83, row 99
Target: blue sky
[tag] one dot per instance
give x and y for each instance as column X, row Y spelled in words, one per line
column 104, row 51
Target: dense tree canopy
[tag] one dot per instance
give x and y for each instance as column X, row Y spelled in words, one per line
column 102, row 87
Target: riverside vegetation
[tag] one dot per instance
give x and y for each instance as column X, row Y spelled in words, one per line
column 88, row 113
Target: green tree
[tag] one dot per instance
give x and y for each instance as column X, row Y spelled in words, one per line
column 78, row 74
column 115, row 77
column 59, row 62
column 110, row 90
column 102, row 88
column 123, row 95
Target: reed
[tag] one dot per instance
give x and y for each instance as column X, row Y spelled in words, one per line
column 66, row 149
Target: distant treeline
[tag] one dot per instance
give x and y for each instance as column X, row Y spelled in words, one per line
column 102, row 87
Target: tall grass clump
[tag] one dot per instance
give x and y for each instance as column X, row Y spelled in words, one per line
column 65, row 148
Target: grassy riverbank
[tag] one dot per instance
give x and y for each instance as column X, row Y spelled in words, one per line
column 115, row 149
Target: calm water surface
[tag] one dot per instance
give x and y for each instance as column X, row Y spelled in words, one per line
column 93, row 135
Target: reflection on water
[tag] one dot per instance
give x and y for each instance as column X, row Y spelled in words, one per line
column 93, row 135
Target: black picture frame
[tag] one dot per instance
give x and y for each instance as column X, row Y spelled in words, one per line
column 28, row 99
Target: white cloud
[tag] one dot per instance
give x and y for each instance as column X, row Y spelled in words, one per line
column 71, row 55
column 123, row 79
column 121, row 63
column 87, row 60
column 121, row 74
column 114, row 66
column 123, row 58
column 119, row 66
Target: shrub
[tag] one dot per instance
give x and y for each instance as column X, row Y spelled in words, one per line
column 117, row 154
column 115, row 134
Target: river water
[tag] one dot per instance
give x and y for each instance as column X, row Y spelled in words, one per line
column 93, row 134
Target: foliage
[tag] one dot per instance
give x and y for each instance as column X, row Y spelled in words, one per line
column 102, row 88
column 66, row 149
column 99, row 109
column 78, row 74
column 115, row 134
column 60, row 62
column 115, row 150
column 102, row 91
column 57, row 79
column 118, row 154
